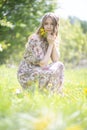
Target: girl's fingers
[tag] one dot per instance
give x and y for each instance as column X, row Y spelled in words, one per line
column 51, row 37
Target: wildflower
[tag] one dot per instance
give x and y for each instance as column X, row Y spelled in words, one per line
column 41, row 123
column 42, row 32
column 50, row 84
column 18, row 91
column 85, row 91
column 74, row 128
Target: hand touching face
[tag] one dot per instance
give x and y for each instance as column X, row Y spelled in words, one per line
column 51, row 38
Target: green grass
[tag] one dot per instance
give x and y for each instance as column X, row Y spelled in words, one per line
column 43, row 111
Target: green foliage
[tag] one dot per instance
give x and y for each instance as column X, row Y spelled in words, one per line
column 82, row 22
column 72, row 42
column 41, row 110
column 18, row 19
column 84, row 26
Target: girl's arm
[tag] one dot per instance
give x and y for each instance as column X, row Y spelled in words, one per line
column 47, row 56
column 55, row 53
column 50, row 51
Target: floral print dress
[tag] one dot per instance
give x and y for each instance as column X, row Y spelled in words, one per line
column 30, row 72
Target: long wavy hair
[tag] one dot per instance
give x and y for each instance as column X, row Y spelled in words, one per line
column 55, row 20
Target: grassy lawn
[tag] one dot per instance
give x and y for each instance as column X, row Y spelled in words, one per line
column 43, row 111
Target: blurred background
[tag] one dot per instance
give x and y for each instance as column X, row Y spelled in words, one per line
column 20, row 18
column 43, row 110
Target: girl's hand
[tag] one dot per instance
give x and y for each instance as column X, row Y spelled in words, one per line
column 51, row 38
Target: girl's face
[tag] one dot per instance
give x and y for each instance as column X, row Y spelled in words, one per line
column 48, row 25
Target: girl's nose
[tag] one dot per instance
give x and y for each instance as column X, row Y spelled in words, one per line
column 49, row 26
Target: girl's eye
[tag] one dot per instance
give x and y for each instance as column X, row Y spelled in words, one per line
column 46, row 24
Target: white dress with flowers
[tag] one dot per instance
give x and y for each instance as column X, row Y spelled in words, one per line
column 31, row 74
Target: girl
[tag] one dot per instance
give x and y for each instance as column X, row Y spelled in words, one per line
column 41, row 47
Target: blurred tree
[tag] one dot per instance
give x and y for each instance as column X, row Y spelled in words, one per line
column 19, row 18
column 73, row 42
column 84, row 26
column 83, row 23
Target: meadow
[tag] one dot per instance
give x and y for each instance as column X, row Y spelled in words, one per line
column 21, row 110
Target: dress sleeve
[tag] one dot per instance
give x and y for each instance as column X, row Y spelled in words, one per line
column 34, row 52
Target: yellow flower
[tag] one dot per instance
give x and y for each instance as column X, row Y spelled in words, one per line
column 74, row 128
column 41, row 123
column 50, row 84
column 42, row 29
column 42, row 32
column 85, row 91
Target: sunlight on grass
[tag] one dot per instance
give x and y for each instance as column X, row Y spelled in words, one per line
column 23, row 110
